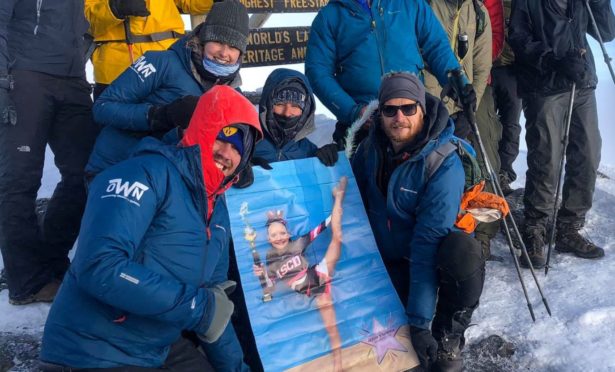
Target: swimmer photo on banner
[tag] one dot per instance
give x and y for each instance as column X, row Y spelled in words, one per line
column 318, row 295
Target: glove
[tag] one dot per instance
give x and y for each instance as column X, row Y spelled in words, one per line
column 327, row 154
column 261, row 162
column 461, row 91
column 573, row 66
column 125, row 8
column 175, row 114
column 222, row 311
column 245, row 178
column 425, row 346
column 339, row 135
column 8, row 114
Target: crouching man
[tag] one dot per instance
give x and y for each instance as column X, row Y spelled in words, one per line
column 438, row 272
column 153, row 256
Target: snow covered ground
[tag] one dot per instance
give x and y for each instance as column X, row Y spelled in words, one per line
column 579, row 336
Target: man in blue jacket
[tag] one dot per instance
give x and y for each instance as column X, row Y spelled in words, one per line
column 160, row 90
column 353, row 43
column 412, row 214
column 153, row 253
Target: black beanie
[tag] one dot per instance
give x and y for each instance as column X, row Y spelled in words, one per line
column 402, row 85
column 227, row 23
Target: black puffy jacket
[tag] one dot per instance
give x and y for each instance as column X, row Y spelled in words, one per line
column 540, row 27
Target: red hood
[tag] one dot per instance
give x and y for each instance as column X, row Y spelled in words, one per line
column 217, row 108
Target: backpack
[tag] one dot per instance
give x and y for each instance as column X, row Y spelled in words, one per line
column 476, row 205
column 471, row 168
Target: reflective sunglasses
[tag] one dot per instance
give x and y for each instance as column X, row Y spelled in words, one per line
column 391, row 110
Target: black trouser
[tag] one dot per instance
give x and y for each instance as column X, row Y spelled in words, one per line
column 545, row 126
column 461, row 274
column 508, row 107
column 241, row 319
column 183, row 357
column 56, row 111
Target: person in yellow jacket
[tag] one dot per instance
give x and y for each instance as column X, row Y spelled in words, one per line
column 152, row 24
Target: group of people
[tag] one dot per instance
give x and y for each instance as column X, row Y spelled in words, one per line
column 169, row 132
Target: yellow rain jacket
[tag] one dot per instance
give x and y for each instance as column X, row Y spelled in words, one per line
column 158, row 31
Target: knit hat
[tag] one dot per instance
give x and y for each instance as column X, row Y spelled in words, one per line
column 292, row 94
column 227, row 23
column 232, row 135
column 402, row 85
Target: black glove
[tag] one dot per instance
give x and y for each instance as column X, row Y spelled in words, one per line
column 573, row 66
column 8, row 114
column 125, row 8
column 327, row 154
column 339, row 135
column 261, row 162
column 425, row 346
column 175, row 114
column 222, row 309
column 462, row 92
column 245, row 179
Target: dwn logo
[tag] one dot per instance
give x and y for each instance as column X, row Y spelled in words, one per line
column 142, row 68
column 132, row 193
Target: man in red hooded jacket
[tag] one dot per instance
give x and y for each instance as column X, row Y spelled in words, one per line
column 153, row 253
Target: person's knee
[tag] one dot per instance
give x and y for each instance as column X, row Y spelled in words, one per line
column 460, row 256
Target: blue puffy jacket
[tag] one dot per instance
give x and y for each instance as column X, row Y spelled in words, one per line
column 349, row 50
column 416, row 213
column 156, row 78
column 142, row 266
column 279, row 145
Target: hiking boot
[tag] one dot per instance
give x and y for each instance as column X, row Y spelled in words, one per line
column 45, row 294
column 534, row 240
column 449, row 354
column 3, row 282
column 569, row 240
column 505, row 185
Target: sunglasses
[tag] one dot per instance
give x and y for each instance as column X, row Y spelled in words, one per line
column 391, row 110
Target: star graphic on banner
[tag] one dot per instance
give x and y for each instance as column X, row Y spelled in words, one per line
column 382, row 340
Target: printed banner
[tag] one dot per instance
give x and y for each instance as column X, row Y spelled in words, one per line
column 276, row 46
column 315, row 304
column 283, row 6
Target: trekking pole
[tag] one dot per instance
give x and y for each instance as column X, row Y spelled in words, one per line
column 128, row 38
column 559, row 176
column 607, row 59
column 495, row 184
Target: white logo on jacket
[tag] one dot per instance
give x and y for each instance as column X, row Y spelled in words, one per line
column 142, row 68
column 125, row 190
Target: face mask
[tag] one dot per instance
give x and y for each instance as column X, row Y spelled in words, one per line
column 219, row 69
column 285, row 122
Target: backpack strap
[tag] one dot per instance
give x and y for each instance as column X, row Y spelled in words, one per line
column 481, row 22
column 434, row 160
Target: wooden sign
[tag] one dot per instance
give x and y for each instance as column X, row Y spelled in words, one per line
column 276, row 46
column 283, row 6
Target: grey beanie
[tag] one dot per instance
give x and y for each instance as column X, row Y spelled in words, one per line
column 227, row 23
column 402, row 85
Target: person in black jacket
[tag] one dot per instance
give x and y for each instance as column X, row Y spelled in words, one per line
column 552, row 53
column 44, row 100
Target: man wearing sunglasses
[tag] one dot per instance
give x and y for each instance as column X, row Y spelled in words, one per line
column 412, row 214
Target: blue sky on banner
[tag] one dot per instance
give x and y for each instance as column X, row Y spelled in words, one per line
column 289, row 330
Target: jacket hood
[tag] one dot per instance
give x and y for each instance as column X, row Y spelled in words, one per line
column 437, row 128
column 277, row 80
column 189, row 48
column 219, row 107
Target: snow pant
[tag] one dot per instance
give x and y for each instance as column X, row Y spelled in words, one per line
column 461, row 274
column 56, row 111
column 545, row 127
column 182, row 357
column 508, row 107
